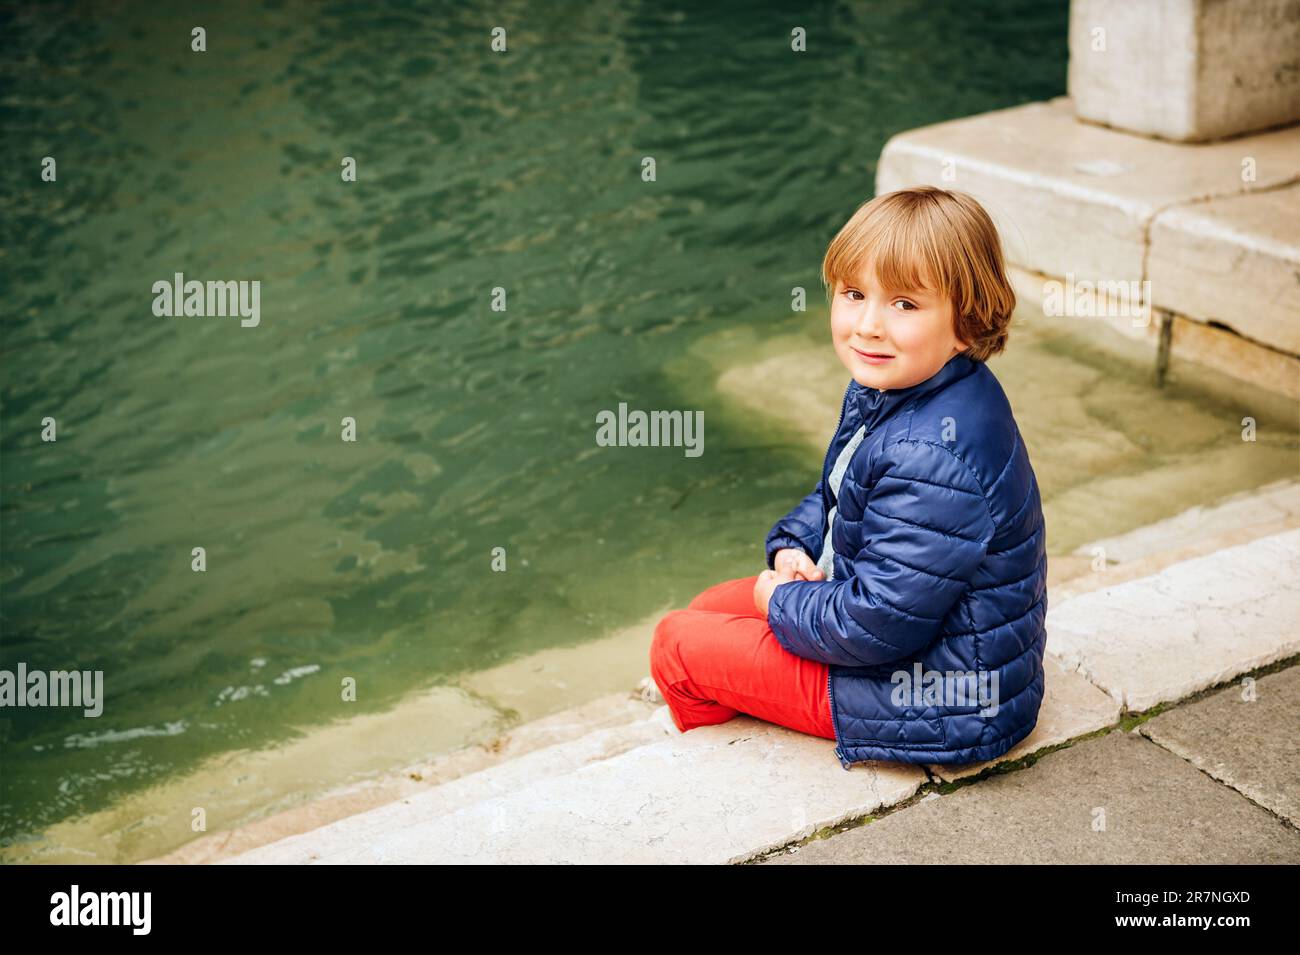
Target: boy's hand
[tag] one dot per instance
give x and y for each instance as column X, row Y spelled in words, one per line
column 766, row 583
column 798, row 563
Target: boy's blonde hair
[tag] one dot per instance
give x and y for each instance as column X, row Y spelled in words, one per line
column 934, row 239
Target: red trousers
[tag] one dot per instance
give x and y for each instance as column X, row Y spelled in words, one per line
column 718, row 657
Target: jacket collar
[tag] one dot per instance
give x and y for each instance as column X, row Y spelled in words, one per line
column 875, row 405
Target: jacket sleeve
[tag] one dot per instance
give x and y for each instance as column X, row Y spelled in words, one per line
column 803, row 527
column 926, row 529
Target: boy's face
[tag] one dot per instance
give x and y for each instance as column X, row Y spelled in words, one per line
column 913, row 326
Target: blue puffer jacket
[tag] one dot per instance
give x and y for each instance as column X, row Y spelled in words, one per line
column 932, row 615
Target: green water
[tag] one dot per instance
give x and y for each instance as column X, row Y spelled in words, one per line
column 373, row 559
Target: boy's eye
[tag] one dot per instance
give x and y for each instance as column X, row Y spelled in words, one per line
column 854, row 295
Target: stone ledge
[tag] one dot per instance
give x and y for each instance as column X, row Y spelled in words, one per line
column 1192, row 626
column 1235, row 261
column 689, row 798
column 1225, row 351
column 559, row 737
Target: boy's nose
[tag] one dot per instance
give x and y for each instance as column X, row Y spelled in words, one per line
column 871, row 323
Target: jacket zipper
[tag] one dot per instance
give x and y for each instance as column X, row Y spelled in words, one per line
column 831, row 694
column 844, row 405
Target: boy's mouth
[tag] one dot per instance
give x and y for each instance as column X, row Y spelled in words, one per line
column 872, row 356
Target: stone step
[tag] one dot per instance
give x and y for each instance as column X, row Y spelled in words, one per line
column 1195, row 624
column 703, row 779
column 1234, row 261
column 557, row 742
column 714, row 795
column 470, row 790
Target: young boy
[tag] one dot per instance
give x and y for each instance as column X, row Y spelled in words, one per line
column 902, row 614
